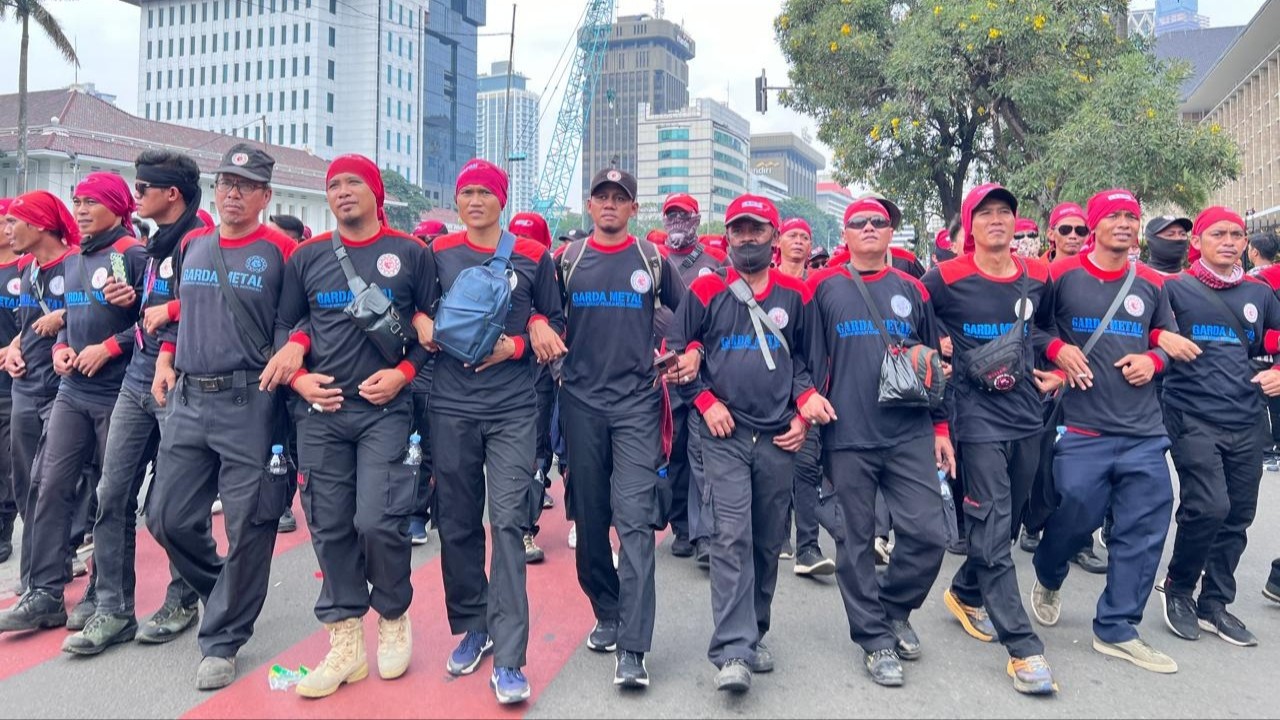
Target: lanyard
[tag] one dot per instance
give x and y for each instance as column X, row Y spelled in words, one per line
column 148, row 283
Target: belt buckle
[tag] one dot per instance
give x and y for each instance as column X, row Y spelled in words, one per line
column 209, row 384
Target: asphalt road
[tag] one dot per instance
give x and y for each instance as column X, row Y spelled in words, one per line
column 818, row 674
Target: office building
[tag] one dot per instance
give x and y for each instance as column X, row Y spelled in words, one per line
column 787, row 159
column 517, row 151
column 704, row 151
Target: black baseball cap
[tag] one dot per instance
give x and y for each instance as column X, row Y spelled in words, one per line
column 248, row 162
column 895, row 213
column 1157, row 225
column 818, row 252
column 574, row 234
column 621, row 178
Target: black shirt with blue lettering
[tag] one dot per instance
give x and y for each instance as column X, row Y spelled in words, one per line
column 209, row 338
column 92, row 320
column 1216, row 385
column 846, row 351
column 508, row 387
column 609, row 308
column 158, row 287
column 974, row 309
column 1082, row 293
column 10, row 298
column 734, row 370
column 315, row 293
column 39, row 282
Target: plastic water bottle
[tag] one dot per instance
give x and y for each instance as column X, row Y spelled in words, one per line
column 413, row 456
column 944, row 486
column 279, row 464
column 280, row 677
column 1062, row 430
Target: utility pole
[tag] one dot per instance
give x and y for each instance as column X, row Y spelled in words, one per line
column 264, row 128
column 506, row 113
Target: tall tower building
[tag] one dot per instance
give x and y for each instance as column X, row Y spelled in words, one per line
column 327, row 76
column 517, row 151
column 1178, row 15
column 449, row 98
column 647, row 62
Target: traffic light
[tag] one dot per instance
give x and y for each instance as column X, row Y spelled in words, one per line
column 762, row 93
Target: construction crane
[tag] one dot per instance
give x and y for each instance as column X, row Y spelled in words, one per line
column 575, row 110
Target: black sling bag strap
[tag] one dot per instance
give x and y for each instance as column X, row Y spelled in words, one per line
column 691, row 258
column 1241, row 333
column 252, row 332
column 1102, row 327
column 37, row 289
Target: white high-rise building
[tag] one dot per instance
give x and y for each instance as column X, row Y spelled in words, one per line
column 703, row 151
column 327, row 76
column 521, row 146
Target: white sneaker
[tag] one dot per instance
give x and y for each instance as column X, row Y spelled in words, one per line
column 573, row 536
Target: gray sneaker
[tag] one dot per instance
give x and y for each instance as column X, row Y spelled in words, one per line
column 100, row 633
column 734, row 677
column 1138, row 652
column 169, row 622
column 1046, row 604
column 215, row 673
column 80, row 614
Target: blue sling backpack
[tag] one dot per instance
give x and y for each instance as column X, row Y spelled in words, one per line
column 473, row 314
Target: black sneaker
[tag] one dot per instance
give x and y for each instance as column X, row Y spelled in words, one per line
column 681, row 547
column 1029, row 541
column 36, row 610
column 629, row 670
column 884, row 667
column 810, row 562
column 1180, row 613
column 702, row 553
column 80, row 614
column 1090, row 562
column 100, row 633
column 170, row 621
column 788, row 551
column 1229, row 628
column 763, row 662
column 604, row 636
column 1271, row 590
column 288, row 523
column 734, row 676
column 6, row 538
column 908, row 641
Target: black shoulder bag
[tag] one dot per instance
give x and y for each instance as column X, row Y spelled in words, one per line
column 371, row 310
column 910, row 376
column 252, row 332
column 999, row 365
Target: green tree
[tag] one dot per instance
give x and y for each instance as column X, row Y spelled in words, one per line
column 404, row 218
column 24, row 11
column 826, row 229
column 920, row 98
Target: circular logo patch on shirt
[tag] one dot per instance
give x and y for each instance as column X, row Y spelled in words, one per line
column 1251, row 312
column 705, row 271
column 256, row 264
column 15, row 286
column 779, row 317
column 389, row 265
column 56, row 285
column 166, row 268
column 1134, row 305
column 99, row 279
column 901, row 306
column 640, row 281
column 1025, row 311
column 514, row 279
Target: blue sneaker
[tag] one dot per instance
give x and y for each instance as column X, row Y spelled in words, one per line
column 509, row 685
column 417, row 531
column 469, row 653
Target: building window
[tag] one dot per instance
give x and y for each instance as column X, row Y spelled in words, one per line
column 328, row 102
column 295, row 66
column 148, row 49
column 235, row 104
column 148, row 81
column 151, row 20
column 333, row 37
column 271, row 37
column 333, row 10
column 328, row 135
column 728, row 140
column 295, row 33
column 304, row 129
column 306, row 99
column 673, row 154
column 271, row 71
column 673, row 172
column 306, row 66
column 410, row 82
column 671, row 134
column 668, row 189
column 293, row 134
column 308, row 33
column 388, row 74
column 293, row 100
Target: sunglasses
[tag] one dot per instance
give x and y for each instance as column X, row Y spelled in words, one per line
column 1081, row 230
column 877, row 222
column 1023, row 236
column 141, row 187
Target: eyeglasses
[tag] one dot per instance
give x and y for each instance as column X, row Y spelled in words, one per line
column 244, row 187
column 141, row 187
column 877, row 222
column 1023, row 236
column 1081, row 230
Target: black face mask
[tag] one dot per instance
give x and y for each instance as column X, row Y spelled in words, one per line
column 1166, row 255
column 751, row 258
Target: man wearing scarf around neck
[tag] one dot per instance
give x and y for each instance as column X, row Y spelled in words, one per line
column 359, row 492
column 90, row 356
column 167, row 191
column 1211, row 408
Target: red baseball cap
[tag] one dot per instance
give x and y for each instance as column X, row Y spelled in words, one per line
column 680, row 201
column 530, row 225
column 760, row 209
column 715, row 241
column 1063, row 211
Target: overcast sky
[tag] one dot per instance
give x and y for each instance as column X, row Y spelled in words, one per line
column 734, row 42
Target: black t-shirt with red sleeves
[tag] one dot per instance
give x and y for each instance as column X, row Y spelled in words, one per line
column 1082, row 293
column 974, row 309
column 734, row 370
column 45, row 282
column 846, row 351
column 209, row 338
column 506, row 388
column 1216, row 385
column 609, row 309
column 316, row 292
column 10, row 299
column 91, row 319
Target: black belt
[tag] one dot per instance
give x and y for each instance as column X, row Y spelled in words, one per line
column 211, row 383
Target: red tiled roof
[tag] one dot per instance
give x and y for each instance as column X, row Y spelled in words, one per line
column 91, row 127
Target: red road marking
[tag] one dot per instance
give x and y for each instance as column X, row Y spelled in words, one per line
column 20, row 652
column 560, row 619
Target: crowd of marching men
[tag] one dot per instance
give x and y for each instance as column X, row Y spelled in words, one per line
column 726, row 387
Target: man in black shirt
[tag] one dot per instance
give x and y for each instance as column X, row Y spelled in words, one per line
column 360, row 486
column 1212, row 409
column 610, row 407
column 10, row 295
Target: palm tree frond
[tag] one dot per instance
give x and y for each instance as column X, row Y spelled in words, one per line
column 53, row 29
